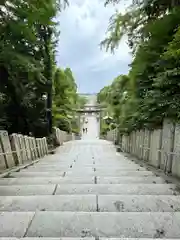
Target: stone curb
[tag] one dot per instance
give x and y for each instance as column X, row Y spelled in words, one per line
column 16, row 169
column 158, row 172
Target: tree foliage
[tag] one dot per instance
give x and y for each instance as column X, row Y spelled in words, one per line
column 65, row 100
column 135, row 22
column 28, row 71
column 152, row 90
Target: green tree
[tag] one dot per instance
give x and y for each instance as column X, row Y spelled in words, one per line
column 135, row 22
column 65, row 100
column 27, row 43
column 152, row 91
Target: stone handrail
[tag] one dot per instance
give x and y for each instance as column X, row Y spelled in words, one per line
column 158, row 147
column 62, row 136
column 16, row 149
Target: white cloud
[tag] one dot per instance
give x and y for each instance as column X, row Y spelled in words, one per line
column 83, row 25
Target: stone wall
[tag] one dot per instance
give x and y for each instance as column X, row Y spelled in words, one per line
column 112, row 135
column 159, row 147
column 62, row 136
column 17, row 149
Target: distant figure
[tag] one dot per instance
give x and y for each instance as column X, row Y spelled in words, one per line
column 83, row 130
column 86, row 130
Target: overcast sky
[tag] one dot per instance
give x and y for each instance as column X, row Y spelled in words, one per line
column 83, row 25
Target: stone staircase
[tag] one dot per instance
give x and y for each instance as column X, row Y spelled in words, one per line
column 87, row 190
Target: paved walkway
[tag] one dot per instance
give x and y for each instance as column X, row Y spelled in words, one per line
column 88, row 190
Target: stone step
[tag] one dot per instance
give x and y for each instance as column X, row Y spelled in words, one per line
column 45, row 180
column 27, row 190
column 130, row 168
column 36, row 174
column 91, row 203
column 39, row 169
column 15, row 224
column 123, row 189
column 77, row 238
column 138, row 203
column 106, row 173
column 127, row 180
column 74, row 203
column 79, row 180
column 81, row 224
column 107, row 189
column 86, row 169
column 106, row 164
column 79, row 173
column 49, row 238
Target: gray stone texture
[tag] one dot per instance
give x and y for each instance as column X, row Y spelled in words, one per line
column 74, row 203
column 6, row 147
column 74, row 224
column 3, row 164
column 122, row 189
column 14, row 224
column 167, row 144
column 155, row 143
column 87, row 190
column 15, row 148
column 28, row 190
column 176, row 157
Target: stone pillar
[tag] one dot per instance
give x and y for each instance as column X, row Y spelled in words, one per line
column 31, row 148
column 168, row 133
column 73, row 136
column 46, row 146
column 28, row 153
column 22, row 147
column 35, row 147
column 38, row 147
column 6, row 147
column 156, row 141
column 15, row 148
column 39, row 144
column 43, row 143
column 57, row 132
column 134, row 142
column 176, row 150
column 3, row 164
column 142, row 143
column 42, row 147
column 146, row 144
column 61, row 136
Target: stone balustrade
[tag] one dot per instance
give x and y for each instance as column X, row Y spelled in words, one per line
column 158, row 147
column 16, row 149
column 62, row 136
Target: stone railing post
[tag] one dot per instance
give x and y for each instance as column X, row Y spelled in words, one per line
column 46, row 146
column 28, row 153
column 43, row 149
column 3, row 164
column 6, row 147
column 38, row 147
column 15, row 148
column 35, row 147
column 22, row 147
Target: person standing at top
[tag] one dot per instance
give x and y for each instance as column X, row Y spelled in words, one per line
column 86, row 130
